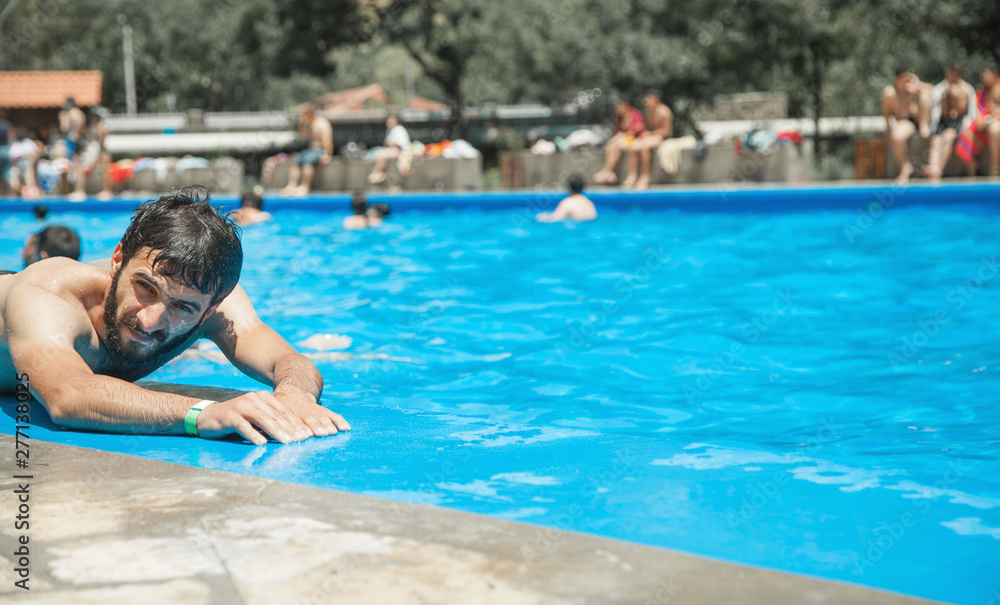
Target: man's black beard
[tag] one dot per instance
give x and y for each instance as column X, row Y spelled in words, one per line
column 114, row 343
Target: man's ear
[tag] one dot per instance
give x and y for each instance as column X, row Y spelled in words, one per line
column 210, row 312
column 116, row 258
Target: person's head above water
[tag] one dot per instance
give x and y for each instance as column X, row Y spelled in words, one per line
column 178, row 259
column 49, row 242
column 379, row 210
column 253, row 200
column 575, row 184
column 359, row 203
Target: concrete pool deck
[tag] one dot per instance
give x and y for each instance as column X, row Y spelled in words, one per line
column 106, row 527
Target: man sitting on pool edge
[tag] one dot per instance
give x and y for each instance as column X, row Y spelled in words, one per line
column 83, row 334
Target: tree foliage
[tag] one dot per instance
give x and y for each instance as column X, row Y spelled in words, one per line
column 831, row 57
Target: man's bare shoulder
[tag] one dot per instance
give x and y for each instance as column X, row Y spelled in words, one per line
column 321, row 124
column 62, row 278
column 60, row 289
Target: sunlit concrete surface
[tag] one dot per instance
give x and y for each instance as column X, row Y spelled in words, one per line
column 108, row 528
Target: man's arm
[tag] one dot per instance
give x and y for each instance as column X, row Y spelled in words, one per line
column 328, row 138
column 76, row 397
column 666, row 129
column 261, row 353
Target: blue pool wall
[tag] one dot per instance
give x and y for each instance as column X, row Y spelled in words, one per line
column 867, row 198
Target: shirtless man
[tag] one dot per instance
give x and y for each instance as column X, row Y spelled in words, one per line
column 628, row 126
column 661, row 126
column 908, row 102
column 958, row 105
column 71, row 123
column 319, row 131
column 575, row 207
column 80, row 334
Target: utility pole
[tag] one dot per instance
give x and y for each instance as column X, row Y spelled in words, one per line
column 130, row 104
column 409, row 80
column 3, row 17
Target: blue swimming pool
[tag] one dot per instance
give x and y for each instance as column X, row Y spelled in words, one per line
column 813, row 390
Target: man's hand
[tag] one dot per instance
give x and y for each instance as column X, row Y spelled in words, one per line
column 272, row 416
column 325, row 158
column 321, row 421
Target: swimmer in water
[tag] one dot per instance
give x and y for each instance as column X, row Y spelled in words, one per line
column 81, row 334
column 364, row 215
column 574, row 207
column 54, row 240
column 251, row 211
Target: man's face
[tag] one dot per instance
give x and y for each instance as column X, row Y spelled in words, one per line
column 147, row 315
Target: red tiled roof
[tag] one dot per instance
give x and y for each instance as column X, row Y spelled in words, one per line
column 23, row 89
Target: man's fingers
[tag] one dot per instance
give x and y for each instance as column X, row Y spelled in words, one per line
column 249, row 433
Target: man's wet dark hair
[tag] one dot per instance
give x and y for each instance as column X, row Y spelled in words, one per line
column 189, row 241
column 59, row 241
column 359, row 203
column 41, row 211
column 382, row 209
column 252, row 200
column 575, row 183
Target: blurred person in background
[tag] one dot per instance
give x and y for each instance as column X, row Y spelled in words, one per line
column 574, row 207
column 907, row 101
column 365, row 216
column 984, row 131
column 252, row 210
column 661, row 127
column 92, row 154
column 958, row 108
column 55, row 240
column 72, row 121
column 629, row 124
column 319, row 132
column 396, row 147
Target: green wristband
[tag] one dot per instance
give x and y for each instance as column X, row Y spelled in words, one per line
column 191, row 418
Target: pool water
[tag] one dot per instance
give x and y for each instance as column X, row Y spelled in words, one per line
column 810, row 391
